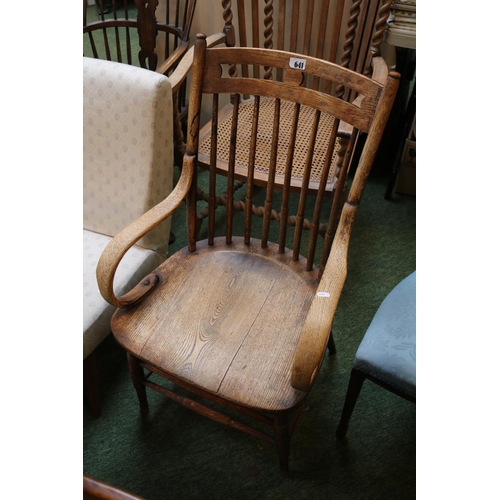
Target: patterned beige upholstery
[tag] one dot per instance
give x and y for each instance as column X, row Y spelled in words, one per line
column 127, row 169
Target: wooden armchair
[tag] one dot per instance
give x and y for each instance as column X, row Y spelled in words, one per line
column 347, row 33
column 243, row 318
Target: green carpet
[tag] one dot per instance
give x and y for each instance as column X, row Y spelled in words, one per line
column 173, row 453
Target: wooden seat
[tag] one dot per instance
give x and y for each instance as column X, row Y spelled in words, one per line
column 333, row 30
column 152, row 35
column 243, row 318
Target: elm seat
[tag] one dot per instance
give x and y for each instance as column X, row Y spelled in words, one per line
column 387, row 353
column 127, row 169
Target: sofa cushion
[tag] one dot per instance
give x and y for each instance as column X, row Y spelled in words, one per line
column 137, row 263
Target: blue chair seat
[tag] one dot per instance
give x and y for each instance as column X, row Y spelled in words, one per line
column 388, row 349
column 387, row 353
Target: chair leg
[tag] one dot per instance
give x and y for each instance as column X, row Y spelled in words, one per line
column 353, row 390
column 282, row 439
column 90, row 384
column 331, row 345
column 138, row 379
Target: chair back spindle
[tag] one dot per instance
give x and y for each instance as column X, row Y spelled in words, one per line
column 280, row 204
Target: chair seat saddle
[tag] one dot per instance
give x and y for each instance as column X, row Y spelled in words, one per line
column 213, row 312
column 387, row 353
column 388, row 349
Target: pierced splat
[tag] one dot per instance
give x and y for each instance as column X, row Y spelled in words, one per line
column 146, row 17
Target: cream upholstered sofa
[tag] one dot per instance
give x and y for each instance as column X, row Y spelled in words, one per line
column 127, row 169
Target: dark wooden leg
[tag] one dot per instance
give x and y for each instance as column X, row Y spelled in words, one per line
column 282, row 438
column 331, row 345
column 91, row 385
column 353, row 390
column 138, row 379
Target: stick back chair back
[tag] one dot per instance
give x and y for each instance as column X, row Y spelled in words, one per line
column 242, row 318
column 131, row 32
column 347, row 33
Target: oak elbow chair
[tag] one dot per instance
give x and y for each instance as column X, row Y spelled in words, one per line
column 243, row 318
column 348, row 33
column 127, row 169
column 387, row 353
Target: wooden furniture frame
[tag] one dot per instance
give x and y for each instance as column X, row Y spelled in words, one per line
column 238, row 319
column 326, row 29
column 93, row 489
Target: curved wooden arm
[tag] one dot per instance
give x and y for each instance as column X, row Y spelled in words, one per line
column 316, row 331
column 173, row 58
column 181, row 71
column 125, row 239
column 380, row 70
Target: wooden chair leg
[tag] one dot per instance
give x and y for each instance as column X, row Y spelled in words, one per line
column 353, row 390
column 282, row 439
column 138, row 379
column 90, row 384
column 331, row 345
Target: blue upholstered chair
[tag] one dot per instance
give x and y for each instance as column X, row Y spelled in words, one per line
column 387, row 353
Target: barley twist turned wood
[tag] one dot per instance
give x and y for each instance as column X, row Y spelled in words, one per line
column 350, row 36
column 227, row 15
column 378, row 35
column 268, row 33
column 221, row 200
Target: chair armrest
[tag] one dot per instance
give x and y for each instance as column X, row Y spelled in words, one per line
column 181, row 71
column 125, row 239
column 314, row 338
column 173, row 58
column 380, row 71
